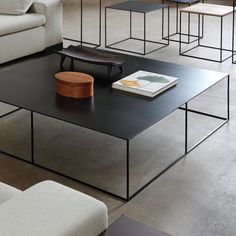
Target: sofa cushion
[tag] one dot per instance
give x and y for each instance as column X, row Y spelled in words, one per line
column 15, row 7
column 11, row 24
column 51, row 209
column 7, row 192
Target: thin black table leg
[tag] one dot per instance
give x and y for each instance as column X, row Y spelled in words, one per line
column 199, row 29
column 105, row 26
column 189, row 22
column 32, row 135
column 130, row 24
column 62, row 60
column 186, row 128
column 109, row 69
column 180, row 33
column 202, row 26
column 228, row 97
column 81, row 22
column 127, row 170
column 177, row 18
column 144, row 34
column 72, row 64
column 221, row 38
column 233, row 33
column 100, row 23
column 168, row 30
column 122, row 70
column 162, row 23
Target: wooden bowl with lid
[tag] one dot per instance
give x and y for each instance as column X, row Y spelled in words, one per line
column 74, row 84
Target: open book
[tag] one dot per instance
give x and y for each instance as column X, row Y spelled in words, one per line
column 145, row 83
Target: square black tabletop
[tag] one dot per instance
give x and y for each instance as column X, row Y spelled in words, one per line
column 30, row 85
column 137, row 6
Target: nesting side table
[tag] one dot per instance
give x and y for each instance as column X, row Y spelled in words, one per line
column 142, row 8
column 81, row 40
column 174, row 36
column 203, row 9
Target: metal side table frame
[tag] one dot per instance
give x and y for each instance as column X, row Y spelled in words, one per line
column 189, row 35
column 81, row 40
column 221, row 49
column 144, row 40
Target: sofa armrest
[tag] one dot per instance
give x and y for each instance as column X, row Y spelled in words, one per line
column 7, row 192
column 51, row 209
column 52, row 10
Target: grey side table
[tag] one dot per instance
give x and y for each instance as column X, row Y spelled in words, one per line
column 81, row 40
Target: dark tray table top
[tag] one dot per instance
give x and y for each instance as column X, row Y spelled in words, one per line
column 137, row 6
column 31, row 85
column 125, row 226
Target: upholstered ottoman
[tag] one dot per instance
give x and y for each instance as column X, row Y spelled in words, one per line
column 51, row 209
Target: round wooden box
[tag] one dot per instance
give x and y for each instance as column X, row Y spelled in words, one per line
column 74, row 84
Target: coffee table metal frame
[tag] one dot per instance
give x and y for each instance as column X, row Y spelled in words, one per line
column 81, row 40
column 129, row 196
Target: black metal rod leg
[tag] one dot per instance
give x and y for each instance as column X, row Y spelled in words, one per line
column 81, row 22
column 189, row 22
column 186, row 128
column 130, row 24
column 163, row 35
column 162, row 23
column 144, row 41
column 180, row 33
column 177, row 18
column 72, row 64
column 221, row 38
column 122, row 71
column 168, row 30
column 105, row 26
column 100, row 23
column 62, row 62
column 32, row 135
column 127, row 170
column 199, row 30
column 109, row 69
column 233, row 33
column 228, row 97
column 168, row 25
column 202, row 26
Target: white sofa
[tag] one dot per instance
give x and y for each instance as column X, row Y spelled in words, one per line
column 50, row 209
column 39, row 29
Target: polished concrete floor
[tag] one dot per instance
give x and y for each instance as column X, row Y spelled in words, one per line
column 196, row 197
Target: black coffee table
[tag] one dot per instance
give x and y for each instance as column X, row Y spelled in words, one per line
column 30, row 85
column 126, row 226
